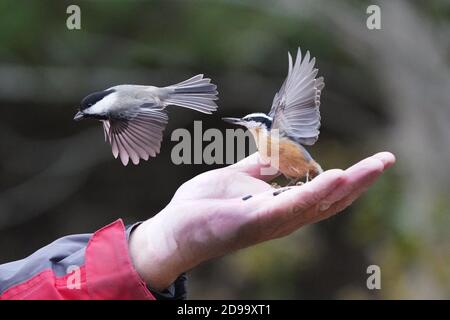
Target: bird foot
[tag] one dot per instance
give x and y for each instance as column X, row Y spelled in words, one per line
column 275, row 185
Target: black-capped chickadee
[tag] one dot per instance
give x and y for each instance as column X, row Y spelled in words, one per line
column 295, row 113
column 134, row 116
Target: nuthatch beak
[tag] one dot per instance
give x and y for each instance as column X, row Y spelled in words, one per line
column 78, row 116
column 233, row 120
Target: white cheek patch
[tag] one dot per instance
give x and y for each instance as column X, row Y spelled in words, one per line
column 103, row 105
column 251, row 124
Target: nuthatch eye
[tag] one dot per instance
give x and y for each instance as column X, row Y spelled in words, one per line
column 296, row 117
column 134, row 116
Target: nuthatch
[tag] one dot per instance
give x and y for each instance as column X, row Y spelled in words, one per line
column 296, row 117
column 134, row 116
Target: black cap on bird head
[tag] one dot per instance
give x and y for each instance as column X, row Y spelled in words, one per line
column 89, row 101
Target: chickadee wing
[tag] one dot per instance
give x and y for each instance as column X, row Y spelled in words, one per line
column 295, row 108
column 137, row 135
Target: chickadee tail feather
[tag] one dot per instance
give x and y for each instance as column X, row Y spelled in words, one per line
column 196, row 93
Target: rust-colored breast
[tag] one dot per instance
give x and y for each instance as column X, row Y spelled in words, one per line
column 292, row 161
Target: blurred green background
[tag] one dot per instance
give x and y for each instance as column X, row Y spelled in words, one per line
column 385, row 89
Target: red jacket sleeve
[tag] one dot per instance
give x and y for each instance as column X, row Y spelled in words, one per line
column 86, row 266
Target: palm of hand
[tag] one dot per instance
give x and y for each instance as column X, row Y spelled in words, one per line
column 213, row 219
column 207, row 216
column 220, row 184
column 211, row 215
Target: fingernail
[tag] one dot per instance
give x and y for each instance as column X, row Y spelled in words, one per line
column 387, row 158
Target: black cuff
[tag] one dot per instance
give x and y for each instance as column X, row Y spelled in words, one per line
column 177, row 290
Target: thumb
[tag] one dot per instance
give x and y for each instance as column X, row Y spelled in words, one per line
column 256, row 167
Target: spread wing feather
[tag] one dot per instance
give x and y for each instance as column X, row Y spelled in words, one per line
column 295, row 107
column 136, row 135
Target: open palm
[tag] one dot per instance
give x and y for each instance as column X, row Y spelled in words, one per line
column 208, row 216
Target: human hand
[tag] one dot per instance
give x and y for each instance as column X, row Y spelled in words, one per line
column 207, row 217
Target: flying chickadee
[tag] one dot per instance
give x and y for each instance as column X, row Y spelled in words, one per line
column 134, row 116
column 295, row 113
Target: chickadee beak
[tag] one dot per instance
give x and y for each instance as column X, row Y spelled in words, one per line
column 233, row 120
column 78, row 116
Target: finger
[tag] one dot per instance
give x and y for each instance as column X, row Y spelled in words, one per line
column 387, row 158
column 275, row 214
column 254, row 166
column 357, row 177
column 340, row 205
column 299, row 198
column 354, row 182
column 300, row 205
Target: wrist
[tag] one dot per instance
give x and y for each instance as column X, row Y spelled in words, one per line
column 155, row 254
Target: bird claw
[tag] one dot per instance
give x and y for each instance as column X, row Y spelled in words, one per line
column 275, row 185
